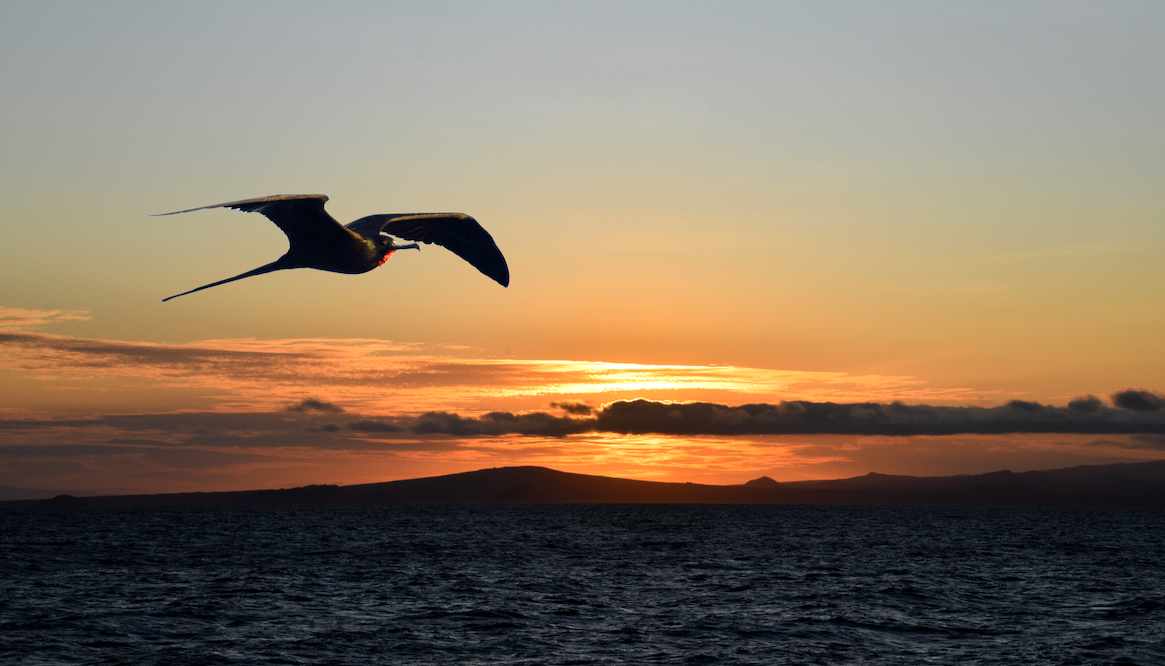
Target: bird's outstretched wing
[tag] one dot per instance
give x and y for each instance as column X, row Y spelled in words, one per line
column 457, row 232
column 301, row 216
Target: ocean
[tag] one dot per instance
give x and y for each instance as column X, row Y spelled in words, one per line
column 582, row 584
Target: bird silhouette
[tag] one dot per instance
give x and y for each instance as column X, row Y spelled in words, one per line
column 319, row 241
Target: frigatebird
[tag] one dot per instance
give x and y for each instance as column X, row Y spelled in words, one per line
column 319, row 241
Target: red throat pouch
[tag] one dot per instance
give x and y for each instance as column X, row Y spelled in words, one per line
column 385, row 257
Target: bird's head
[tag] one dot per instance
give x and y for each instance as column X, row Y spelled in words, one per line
column 388, row 244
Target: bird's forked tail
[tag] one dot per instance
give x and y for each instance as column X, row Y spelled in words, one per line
column 273, row 266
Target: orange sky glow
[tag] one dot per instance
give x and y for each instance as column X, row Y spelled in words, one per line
column 228, row 414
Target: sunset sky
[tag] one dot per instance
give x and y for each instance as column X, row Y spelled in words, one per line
column 948, row 206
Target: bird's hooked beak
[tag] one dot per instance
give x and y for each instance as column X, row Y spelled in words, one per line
column 391, row 248
column 388, row 244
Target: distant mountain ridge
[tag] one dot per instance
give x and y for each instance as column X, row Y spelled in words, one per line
column 1128, row 485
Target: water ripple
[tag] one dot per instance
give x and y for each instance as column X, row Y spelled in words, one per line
column 582, row 585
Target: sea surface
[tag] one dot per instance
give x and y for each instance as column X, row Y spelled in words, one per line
column 582, row 584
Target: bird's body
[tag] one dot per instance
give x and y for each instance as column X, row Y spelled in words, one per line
column 318, row 241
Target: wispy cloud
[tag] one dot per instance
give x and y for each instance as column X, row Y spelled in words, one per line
column 379, row 376
column 15, row 319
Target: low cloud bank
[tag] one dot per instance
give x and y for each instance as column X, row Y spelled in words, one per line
column 1134, row 412
column 501, row 423
column 1139, row 400
column 575, row 408
column 314, row 405
column 156, row 451
column 1085, row 416
column 1131, row 412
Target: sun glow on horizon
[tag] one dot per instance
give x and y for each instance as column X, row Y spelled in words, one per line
column 70, row 375
column 243, row 413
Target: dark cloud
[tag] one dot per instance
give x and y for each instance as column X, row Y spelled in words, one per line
column 313, row 405
column 1088, row 404
column 101, row 353
column 373, row 426
column 576, row 408
column 1153, row 442
column 446, row 423
column 1025, row 406
column 894, row 419
column 501, row 423
column 800, row 417
column 1136, row 413
column 1139, row 400
column 538, row 423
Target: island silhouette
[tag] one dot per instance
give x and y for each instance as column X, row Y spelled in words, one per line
column 1127, row 485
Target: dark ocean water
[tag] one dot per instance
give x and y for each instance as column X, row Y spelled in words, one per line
column 582, row 585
